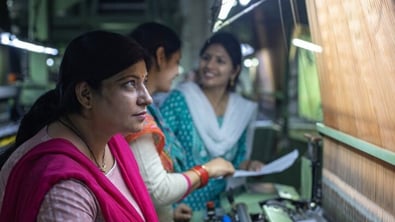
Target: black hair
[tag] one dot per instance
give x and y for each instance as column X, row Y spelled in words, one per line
column 91, row 57
column 231, row 45
column 152, row 35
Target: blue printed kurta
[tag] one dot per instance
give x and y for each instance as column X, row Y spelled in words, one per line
column 177, row 116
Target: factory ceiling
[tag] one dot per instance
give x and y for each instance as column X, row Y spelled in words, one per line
column 57, row 21
column 62, row 20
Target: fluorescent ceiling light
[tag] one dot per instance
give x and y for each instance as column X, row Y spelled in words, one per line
column 220, row 23
column 244, row 2
column 307, row 45
column 11, row 40
column 226, row 5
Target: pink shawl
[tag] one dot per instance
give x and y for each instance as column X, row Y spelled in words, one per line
column 57, row 159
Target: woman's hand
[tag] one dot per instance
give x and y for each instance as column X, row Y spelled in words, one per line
column 251, row 165
column 182, row 213
column 219, row 167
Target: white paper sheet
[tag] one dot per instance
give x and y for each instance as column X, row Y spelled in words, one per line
column 275, row 166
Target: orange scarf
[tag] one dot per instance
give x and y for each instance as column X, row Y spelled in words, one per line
column 150, row 127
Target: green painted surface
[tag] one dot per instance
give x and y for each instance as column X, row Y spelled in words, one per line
column 361, row 145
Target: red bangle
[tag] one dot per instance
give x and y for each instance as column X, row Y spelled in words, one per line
column 203, row 175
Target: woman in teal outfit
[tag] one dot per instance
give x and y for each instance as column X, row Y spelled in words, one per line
column 160, row 157
column 209, row 119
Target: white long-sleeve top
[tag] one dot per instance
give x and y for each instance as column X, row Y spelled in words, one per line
column 165, row 188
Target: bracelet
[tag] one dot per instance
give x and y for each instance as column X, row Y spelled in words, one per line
column 189, row 186
column 202, row 173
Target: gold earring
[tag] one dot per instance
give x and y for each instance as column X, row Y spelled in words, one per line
column 232, row 82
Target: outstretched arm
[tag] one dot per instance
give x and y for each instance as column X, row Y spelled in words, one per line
column 161, row 184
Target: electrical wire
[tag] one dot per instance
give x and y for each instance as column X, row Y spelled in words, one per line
column 283, row 26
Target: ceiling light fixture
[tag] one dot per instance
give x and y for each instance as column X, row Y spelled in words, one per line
column 244, row 2
column 11, row 40
column 226, row 6
column 220, row 23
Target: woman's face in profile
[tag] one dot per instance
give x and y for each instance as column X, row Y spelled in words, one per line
column 169, row 71
column 121, row 104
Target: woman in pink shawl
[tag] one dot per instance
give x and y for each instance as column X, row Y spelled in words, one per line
column 70, row 162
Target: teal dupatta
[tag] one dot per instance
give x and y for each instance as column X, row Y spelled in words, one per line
column 173, row 147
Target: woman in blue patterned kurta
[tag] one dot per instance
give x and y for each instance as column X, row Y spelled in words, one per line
column 209, row 119
column 160, row 157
